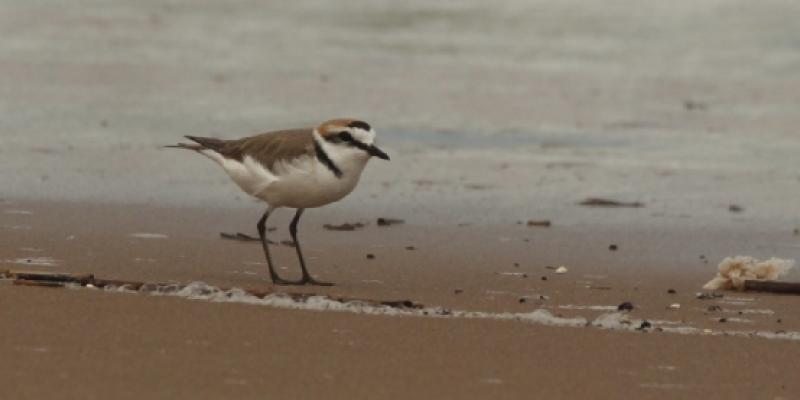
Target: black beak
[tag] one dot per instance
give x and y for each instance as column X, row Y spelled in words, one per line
column 374, row 151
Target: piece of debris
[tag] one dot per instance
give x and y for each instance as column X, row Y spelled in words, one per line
column 410, row 248
column 239, row 236
column 543, row 223
column 561, row 270
column 549, row 267
column 675, row 306
column 671, row 291
column 772, row 286
column 708, row 295
column 714, row 308
column 734, row 271
column 544, row 278
column 644, row 325
column 458, row 291
column 694, row 105
column 613, row 247
column 723, row 319
column 383, row 221
column 626, row 306
column 370, row 256
column 735, row 208
column 600, row 202
column 344, row 227
column 522, row 300
column 797, row 231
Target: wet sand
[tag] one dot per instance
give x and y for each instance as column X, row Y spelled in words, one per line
column 494, row 114
column 86, row 343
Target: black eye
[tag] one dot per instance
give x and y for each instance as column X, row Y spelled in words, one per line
column 346, row 136
column 333, row 139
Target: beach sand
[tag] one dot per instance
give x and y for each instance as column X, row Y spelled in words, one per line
column 85, row 343
column 494, row 114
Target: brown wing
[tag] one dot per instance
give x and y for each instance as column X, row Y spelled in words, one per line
column 267, row 148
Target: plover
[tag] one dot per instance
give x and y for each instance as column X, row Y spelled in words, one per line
column 295, row 168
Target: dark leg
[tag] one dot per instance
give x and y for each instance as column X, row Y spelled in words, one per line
column 262, row 233
column 293, row 231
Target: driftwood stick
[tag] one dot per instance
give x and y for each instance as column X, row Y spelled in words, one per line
column 25, row 282
column 82, row 279
column 48, row 279
column 772, row 286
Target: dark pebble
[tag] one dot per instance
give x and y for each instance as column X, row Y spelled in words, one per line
column 410, row 248
column 645, row 325
column 779, row 320
column 626, row 306
column 544, row 278
column 714, row 308
column 723, row 320
column 671, row 291
column 458, row 291
column 735, row 208
column 613, row 247
column 522, row 300
column 370, row 256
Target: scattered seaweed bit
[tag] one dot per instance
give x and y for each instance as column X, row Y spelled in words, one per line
column 600, row 202
column 723, row 320
column 522, row 300
column 550, row 267
column 239, row 236
column 714, row 308
column 625, row 306
column 477, row 186
column 516, row 265
column 545, row 223
column 694, row 105
column 708, row 295
column 645, row 325
column 544, row 278
column 410, row 248
column 735, row 208
column 401, row 304
column 347, row 226
column 383, row 221
column 613, row 247
column 671, row 291
column 599, row 287
column 458, row 291
column 779, row 321
column 370, row 256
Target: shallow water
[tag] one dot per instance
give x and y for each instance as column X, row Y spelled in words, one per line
column 513, row 105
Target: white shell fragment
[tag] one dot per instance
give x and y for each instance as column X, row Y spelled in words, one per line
column 675, row 306
column 561, row 270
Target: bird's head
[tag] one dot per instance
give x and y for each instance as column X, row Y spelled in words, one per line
column 351, row 133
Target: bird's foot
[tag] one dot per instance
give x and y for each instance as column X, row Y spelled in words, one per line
column 308, row 280
column 276, row 280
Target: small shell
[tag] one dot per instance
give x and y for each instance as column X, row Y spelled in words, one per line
column 675, row 306
column 561, row 270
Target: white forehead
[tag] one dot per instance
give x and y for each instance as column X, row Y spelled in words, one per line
column 362, row 135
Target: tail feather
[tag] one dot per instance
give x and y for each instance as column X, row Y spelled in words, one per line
column 195, row 147
column 208, row 143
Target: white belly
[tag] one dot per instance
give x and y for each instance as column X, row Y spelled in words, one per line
column 301, row 183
